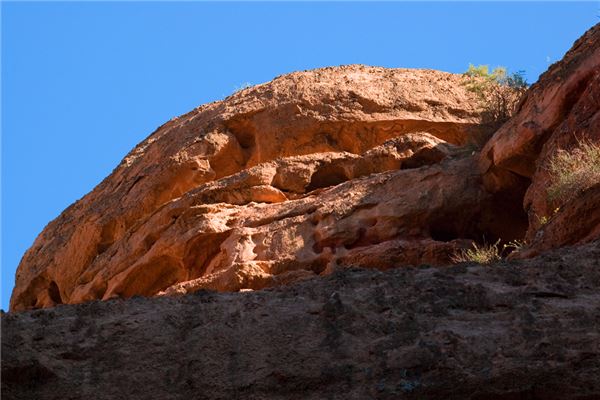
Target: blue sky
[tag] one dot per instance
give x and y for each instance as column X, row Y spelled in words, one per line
column 82, row 83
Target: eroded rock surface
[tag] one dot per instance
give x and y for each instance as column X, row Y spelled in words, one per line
column 321, row 170
column 237, row 192
column 558, row 112
column 524, row 329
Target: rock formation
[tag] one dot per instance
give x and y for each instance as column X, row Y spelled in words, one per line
column 301, row 180
column 318, row 170
column 280, row 181
column 560, row 110
column 526, row 329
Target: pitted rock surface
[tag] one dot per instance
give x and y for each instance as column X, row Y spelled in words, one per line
column 209, row 196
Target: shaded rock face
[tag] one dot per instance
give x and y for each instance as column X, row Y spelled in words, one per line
column 559, row 111
column 517, row 330
column 314, row 170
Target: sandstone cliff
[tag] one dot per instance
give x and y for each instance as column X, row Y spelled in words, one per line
column 283, row 180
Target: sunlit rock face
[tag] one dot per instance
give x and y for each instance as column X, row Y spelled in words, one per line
column 289, row 186
column 280, row 181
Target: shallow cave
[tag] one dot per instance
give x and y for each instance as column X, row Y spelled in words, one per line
column 500, row 217
column 329, row 175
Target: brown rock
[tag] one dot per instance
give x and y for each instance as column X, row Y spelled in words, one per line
column 578, row 221
column 525, row 329
column 560, row 110
column 312, row 174
column 239, row 180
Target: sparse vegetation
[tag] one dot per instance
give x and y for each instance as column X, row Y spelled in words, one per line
column 499, row 92
column 571, row 172
column 515, row 245
column 242, row 86
column 544, row 219
column 484, row 254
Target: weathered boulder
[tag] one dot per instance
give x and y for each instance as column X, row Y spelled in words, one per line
column 524, row 329
column 250, row 184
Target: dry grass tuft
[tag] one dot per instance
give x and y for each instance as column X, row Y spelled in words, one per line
column 485, row 254
column 571, row 172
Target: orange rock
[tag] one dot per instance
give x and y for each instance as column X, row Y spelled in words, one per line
column 211, row 172
column 314, row 171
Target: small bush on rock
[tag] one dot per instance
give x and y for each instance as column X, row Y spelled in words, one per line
column 571, row 172
column 498, row 91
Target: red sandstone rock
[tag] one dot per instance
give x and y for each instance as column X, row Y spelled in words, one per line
column 319, row 170
column 248, row 184
column 308, row 174
column 560, row 110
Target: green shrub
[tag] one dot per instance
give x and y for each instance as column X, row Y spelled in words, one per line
column 498, row 91
column 485, row 254
column 571, row 172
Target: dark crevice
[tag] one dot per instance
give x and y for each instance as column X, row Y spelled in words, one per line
column 443, row 234
column 329, row 175
column 318, row 266
column 573, row 96
column 500, row 216
column 243, row 128
column 291, row 214
column 546, row 294
column 245, row 139
column 423, row 157
column 54, row 293
column 135, row 182
column 149, row 241
column 449, row 227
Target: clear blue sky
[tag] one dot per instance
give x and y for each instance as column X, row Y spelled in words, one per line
column 82, row 83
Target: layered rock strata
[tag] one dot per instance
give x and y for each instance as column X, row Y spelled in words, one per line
column 276, row 182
